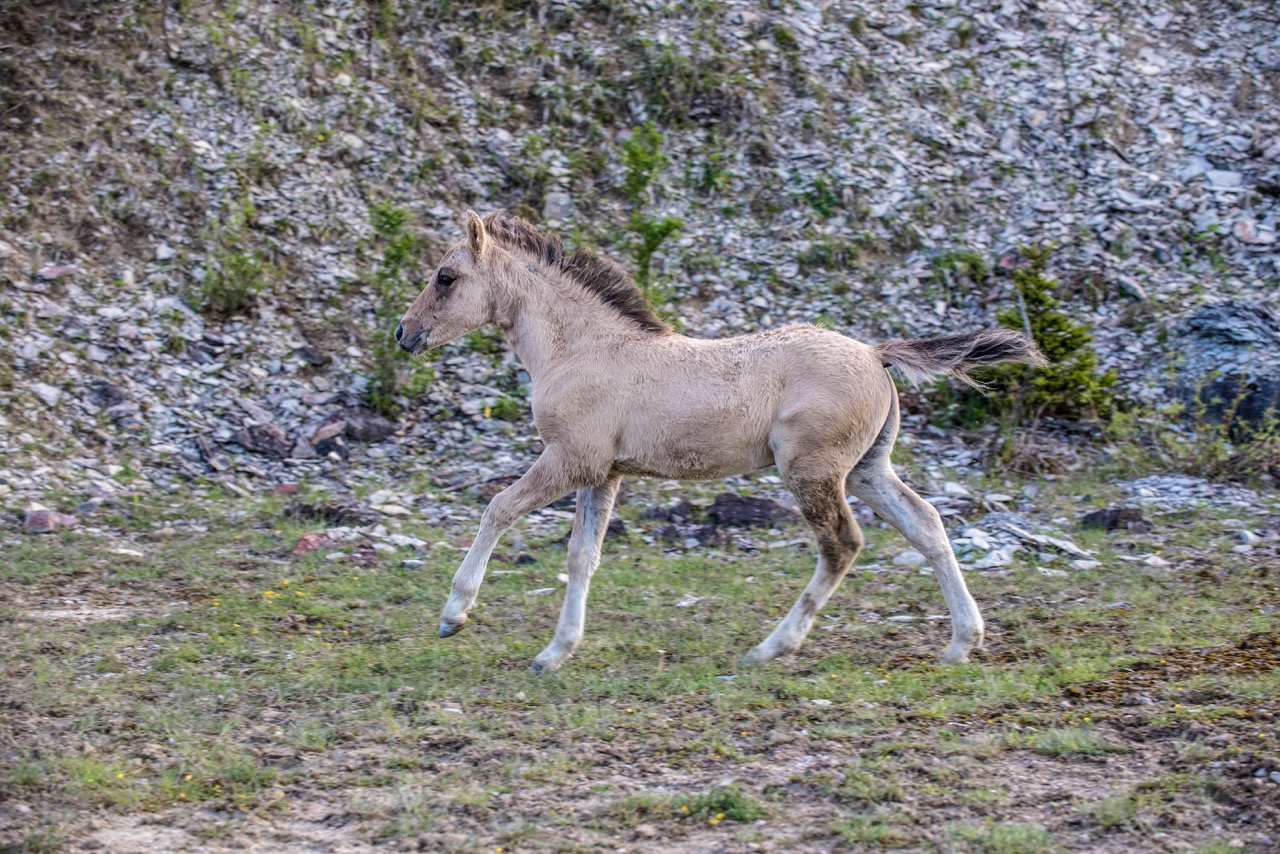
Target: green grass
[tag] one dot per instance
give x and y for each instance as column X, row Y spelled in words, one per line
column 235, row 677
column 1008, row 838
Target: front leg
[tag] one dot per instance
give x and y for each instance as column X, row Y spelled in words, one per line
column 550, row 477
column 589, row 525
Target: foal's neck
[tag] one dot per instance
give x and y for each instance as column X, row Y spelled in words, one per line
column 547, row 321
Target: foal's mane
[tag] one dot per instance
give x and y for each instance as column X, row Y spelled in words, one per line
column 596, row 274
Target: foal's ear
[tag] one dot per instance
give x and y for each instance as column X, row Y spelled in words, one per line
column 475, row 233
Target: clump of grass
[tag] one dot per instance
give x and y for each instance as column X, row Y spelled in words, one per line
column 1113, row 811
column 1007, row 838
column 235, row 270
column 871, row 829
column 1073, row 740
column 727, row 803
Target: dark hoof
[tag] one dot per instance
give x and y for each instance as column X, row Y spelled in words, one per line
column 537, row 668
column 448, row 630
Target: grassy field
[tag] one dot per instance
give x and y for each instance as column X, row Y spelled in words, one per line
column 185, row 683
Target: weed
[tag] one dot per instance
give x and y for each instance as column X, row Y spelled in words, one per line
column 1073, row 741
column 507, row 409
column 1205, row 437
column 642, row 160
column 389, row 381
column 235, row 271
column 727, row 803
column 1007, row 838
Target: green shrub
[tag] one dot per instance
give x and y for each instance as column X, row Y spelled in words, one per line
column 235, row 271
column 389, row 379
column 1071, row 386
column 642, row 159
column 507, row 409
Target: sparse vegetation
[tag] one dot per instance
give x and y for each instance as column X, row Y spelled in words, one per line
column 352, row 674
column 390, row 380
column 642, row 160
column 236, row 270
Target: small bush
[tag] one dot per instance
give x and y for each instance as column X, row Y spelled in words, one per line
column 642, row 160
column 1071, row 385
column 728, row 804
column 235, row 271
column 389, row 379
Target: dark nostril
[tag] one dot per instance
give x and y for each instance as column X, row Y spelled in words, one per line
column 399, row 333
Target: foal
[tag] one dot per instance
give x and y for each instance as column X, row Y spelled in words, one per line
column 616, row 392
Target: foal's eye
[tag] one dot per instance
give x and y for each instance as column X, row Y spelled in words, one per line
column 444, row 280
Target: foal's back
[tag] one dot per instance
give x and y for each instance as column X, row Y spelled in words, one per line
column 689, row 408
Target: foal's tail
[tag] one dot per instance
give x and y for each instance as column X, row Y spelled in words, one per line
column 955, row 354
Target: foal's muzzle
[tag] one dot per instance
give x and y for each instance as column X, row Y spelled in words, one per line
column 409, row 339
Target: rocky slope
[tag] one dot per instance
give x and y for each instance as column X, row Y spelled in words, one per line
column 871, row 165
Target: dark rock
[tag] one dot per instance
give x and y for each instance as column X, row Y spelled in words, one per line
column 335, row 446
column 266, row 439
column 1116, row 518
column 524, row 558
column 334, row 514
column 312, row 355
column 104, row 395
column 680, row 513
column 703, row 534
column 209, row 452
column 741, row 511
column 1226, row 356
column 366, row 426
column 87, row 508
column 617, row 527
column 303, row 449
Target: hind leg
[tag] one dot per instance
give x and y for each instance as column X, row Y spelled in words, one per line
column 919, row 522
column 821, row 498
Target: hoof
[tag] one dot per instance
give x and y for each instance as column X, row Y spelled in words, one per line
column 448, row 629
column 540, row 666
column 955, row 657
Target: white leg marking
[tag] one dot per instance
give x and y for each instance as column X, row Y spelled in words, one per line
column 544, row 482
column 920, row 524
column 589, row 526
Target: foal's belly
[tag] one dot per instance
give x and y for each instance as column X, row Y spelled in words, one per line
column 710, row 454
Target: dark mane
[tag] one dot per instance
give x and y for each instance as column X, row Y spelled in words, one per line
column 596, row 274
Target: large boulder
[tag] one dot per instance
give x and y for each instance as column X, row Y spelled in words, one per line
column 1227, row 355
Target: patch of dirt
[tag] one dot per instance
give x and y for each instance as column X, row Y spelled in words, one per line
column 1257, row 653
column 81, row 614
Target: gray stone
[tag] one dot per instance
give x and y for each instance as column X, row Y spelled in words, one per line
column 557, row 207
column 47, row 393
column 1227, row 355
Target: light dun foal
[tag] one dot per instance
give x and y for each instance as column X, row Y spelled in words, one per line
column 616, row 392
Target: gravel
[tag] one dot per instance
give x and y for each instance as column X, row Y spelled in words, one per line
column 856, row 145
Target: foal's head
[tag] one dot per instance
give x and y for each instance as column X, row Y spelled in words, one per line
column 458, row 297
column 472, row 286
